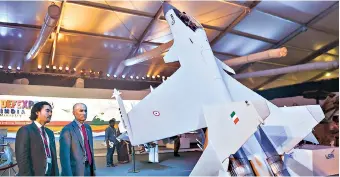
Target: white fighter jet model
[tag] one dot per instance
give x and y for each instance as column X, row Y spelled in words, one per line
column 201, row 94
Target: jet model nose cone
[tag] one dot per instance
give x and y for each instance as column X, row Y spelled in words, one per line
column 167, row 7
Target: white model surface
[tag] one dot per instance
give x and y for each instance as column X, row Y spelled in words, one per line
column 202, row 94
column 313, row 160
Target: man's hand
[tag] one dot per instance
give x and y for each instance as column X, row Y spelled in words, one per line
column 107, row 144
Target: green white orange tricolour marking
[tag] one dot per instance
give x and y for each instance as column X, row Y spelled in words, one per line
column 234, row 117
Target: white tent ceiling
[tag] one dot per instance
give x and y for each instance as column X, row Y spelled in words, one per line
column 98, row 35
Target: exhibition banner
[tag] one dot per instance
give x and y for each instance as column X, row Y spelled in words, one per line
column 15, row 111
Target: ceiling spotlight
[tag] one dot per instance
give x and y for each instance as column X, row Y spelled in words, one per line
column 153, row 77
column 137, row 77
column 9, row 67
column 47, row 67
column 54, row 67
column 39, row 66
column 18, row 68
column 131, row 77
column 123, row 76
column 108, row 75
column 60, row 68
column 148, row 75
column 158, row 76
column 67, row 68
column 114, row 75
column 1, row 66
column 143, row 78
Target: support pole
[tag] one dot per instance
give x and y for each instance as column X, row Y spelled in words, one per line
column 133, row 170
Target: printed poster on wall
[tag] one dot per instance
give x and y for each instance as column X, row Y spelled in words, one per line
column 15, row 112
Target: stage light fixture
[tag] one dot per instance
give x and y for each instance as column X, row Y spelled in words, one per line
column 137, row 77
column 9, row 67
column 18, row 68
column 74, row 70
column 123, row 76
column 114, row 75
column 100, row 74
column 82, row 72
column 67, row 68
column 39, row 67
column 108, row 75
column 1, row 67
column 153, row 77
column 131, row 77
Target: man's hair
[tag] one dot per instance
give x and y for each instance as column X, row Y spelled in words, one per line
column 113, row 120
column 74, row 106
column 37, row 108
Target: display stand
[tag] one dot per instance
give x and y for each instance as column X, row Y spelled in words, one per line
column 153, row 153
column 133, row 170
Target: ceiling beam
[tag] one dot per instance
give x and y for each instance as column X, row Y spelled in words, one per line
column 301, row 29
column 111, row 8
column 229, row 29
column 312, row 21
column 231, row 26
column 71, row 32
column 252, row 36
column 250, row 4
column 321, row 75
column 307, row 59
column 226, row 54
column 134, row 50
column 85, row 58
column 149, row 15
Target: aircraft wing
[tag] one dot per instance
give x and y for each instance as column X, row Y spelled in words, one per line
column 286, row 126
column 171, row 104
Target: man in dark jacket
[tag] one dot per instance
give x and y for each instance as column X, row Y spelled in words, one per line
column 35, row 148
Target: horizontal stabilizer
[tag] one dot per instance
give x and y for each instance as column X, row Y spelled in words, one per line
column 298, row 122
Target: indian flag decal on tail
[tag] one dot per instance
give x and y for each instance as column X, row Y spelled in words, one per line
column 234, row 117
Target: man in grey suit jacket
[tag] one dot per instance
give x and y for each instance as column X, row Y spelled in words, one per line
column 35, row 148
column 76, row 145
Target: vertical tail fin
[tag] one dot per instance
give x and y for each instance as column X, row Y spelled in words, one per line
column 123, row 113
